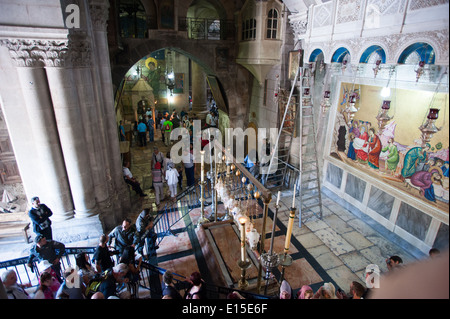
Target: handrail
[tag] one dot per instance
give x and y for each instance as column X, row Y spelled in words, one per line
column 180, row 280
column 265, row 193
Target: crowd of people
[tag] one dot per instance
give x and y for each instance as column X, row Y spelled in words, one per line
column 163, row 170
column 114, row 270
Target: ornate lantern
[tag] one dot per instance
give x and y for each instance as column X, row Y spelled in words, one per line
column 429, row 128
column 383, row 116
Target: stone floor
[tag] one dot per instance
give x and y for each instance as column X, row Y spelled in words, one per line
column 336, row 248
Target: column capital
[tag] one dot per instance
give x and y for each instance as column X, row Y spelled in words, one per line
column 36, row 52
column 74, row 51
column 99, row 11
column 80, row 49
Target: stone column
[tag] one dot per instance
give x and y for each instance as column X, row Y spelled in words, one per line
column 70, row 123
column 199, row 106
column 51, row 182
column 119, row 199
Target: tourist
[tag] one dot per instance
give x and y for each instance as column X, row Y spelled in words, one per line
column 125, row 235
column 102, row 255
column 40, row 217
column 85, row 270
column 142, row 133
column 13, row 289
column 110, row 283
column 394, row 263
column 72, row 287
column 327, row 291
column 44, row 291
column 157, row 178
column 305, row 292
column 130, row 180
column 197, row 289
column 172, row 180
column 168, row 288
column 157, row 157
column 144, row 226
column 48, row 250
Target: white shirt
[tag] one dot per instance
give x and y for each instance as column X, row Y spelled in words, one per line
column 172, row 176
column 210, row 120
column 127, row 172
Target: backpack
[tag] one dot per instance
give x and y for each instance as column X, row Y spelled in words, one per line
column 167, row 128
column 94, row 284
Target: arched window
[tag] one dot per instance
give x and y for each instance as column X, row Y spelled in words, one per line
column 249, row 29
column 132, row 19
column 272, row 24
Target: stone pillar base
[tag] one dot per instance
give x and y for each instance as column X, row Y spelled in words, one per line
column 76, row 230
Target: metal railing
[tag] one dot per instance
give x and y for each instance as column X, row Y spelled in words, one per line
column 26, row 276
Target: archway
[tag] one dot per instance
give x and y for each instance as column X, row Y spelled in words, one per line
column 173, row 75
column 340, row 54
column 373, row 53
column 417, row 52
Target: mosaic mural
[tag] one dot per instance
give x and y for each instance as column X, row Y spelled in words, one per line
column 395, row 153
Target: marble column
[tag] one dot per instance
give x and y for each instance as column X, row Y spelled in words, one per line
column 199, row 97
column 51, row 181
column 91, row 116
column 120, row 198
column 67, row 109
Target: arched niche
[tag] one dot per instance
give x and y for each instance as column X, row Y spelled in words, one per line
column 416, row 52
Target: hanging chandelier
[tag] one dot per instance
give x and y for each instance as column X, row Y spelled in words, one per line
column 383, row 116
column 419, row 71
column 325, row 104
column 376, row 68
column 428, row 128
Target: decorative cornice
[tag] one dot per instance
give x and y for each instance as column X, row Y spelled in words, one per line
column 37, row 53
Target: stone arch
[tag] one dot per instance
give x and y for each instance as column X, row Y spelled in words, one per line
column 339, row 53
column 368, row 51
column 314, row 54
column 425, row 50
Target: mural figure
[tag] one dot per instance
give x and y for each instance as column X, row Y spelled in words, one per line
column 375, row 149
column 412, row 157
column 361, row 146
column 392, row 157
column 351, row 150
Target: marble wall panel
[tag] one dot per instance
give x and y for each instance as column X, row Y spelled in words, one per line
column 413, row 221
column 442, row 238
column 355, row 187
column 380, row 202
column 334, row 175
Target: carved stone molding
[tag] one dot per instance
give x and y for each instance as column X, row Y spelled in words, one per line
column 99, row 11
column 393, row 45
column 80, row 50
column 37, row 53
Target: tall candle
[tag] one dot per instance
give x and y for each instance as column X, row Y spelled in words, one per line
column 293, row 197
column 202, row 165
column 289, row 231
column 242, row 221
column 278, row 197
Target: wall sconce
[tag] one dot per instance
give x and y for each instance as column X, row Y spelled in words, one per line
column 419, row 71
column 376, row 68
column 429, row 128
column 383, row 116
column 325, row 104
